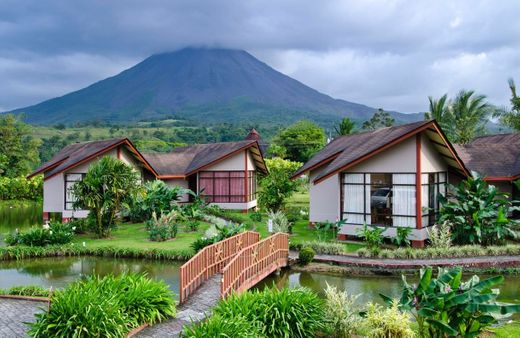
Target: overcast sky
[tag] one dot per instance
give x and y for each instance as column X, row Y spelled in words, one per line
column 389, row 54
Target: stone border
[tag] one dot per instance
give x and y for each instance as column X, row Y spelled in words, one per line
column 31, row 298
column 136, row 330
column 385, row 264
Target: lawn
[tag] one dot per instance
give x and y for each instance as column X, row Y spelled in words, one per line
column 129, row 235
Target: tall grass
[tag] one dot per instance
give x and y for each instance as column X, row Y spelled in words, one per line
column 21, row 252
column 26, row 290
column 285, row 313
column 104, row 307
column 219, row 326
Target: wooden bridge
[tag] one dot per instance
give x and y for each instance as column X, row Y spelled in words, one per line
column 243, row 260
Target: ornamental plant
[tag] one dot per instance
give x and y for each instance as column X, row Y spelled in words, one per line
column 106, row 186
column 341, row 313
column 162, row 228
column 373, row 236
column 478, row 213
column 447, row 307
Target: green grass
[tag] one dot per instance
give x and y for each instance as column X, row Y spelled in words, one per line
column 506, row 331
column 135, row 236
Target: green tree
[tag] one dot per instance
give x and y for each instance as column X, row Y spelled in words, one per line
column 107, row 184
column 345, row 127
column 19, row 151
column 301, row 140
column 439, row 111
column 512, row 118
column 470, row 113
column 380, row 119
column 276, row 187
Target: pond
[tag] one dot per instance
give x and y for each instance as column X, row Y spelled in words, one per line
column 58, row 272
column 19, row 215
column 369, row 287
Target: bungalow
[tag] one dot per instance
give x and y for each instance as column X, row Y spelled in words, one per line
column 389, row 177
column 225, row 172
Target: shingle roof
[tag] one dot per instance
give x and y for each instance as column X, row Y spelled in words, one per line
column 183, row 161
column 347, row 149
column 74, row 153
column 495, row 155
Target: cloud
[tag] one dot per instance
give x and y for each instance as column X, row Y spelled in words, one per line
column 390, row 54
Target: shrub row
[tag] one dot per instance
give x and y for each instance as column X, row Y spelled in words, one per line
column 26, row 290
column 20, row 188
column 454, row 251
column 269, row 313
column 325, row 248
column 105, row 307
column 21, row 252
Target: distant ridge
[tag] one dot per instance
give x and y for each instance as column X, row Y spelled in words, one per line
column 202, row 84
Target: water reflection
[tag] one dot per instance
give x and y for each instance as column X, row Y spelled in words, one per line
column 19, row 215
column 58, row 272
column 369, row 287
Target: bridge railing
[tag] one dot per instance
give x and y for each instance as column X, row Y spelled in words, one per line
column 254, row 263
column 211, row 260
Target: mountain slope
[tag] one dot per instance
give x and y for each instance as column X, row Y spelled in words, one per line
column 212, row 85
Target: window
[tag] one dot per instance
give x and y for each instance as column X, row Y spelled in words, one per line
column 70, row 180
column 379, row 199
column 227, row 186
column 433, row 185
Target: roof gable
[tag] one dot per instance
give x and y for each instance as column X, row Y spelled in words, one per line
column 350, row 150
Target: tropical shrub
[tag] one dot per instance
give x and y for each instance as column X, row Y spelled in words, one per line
column 447, row 306
column 389, row 322
column 104, row 307
column 163, row 228
column 287, row 312
column 215, row 234
column 256, row 216
column 373, row 236
column 280, row 222
column 154, row 196
column 193, row 225
column 26, row 290
column 401, row 237
column 193, row 211
column 277, row 187
column 50, row 234
column 20, row 188
column 328, row 229
column 306, row 255
column 82, row 225
column 341, row 314
column 107, row 184
column 433, row 252
column 218, row 326
column 477, row 213
column 440, row 235
column 325, row 248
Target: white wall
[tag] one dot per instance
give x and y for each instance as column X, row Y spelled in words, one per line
column 431, row 160
column 236, row 162
column 324, row 198
column 399, row 158
column 53, row 194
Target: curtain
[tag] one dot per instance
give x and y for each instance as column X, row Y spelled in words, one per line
column 425, row 199
column 237, row 189
column 353, row 198
column 403, row 203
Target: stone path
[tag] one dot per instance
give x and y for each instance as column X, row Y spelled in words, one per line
column 13, row 314
column 378, row 263
column 196, row 308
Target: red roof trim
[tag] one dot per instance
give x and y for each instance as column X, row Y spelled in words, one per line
column 501, row 178
column 46, row 168
column 319, row 164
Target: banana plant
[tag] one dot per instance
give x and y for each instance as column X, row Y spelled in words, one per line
column 448, row 307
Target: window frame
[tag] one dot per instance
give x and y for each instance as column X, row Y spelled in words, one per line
column 251, row 180
column 65, row 180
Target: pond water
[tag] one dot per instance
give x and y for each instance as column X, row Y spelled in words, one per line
column 58, row 272
column 19, row 215
column 369, row 287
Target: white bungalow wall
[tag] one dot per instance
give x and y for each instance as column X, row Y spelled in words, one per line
column 401, row 158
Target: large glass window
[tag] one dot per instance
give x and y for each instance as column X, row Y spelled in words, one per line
column 379, row 199
column 227, row 186
column 433, row 185
column 70, row 180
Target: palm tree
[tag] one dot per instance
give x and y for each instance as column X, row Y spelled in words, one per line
column 470, row 114
column 345, row 127
column 439, row 111
column 511, row 117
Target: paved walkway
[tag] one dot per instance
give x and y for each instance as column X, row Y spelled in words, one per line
column 378, row 263
column 195, row 309
column 13, row 314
